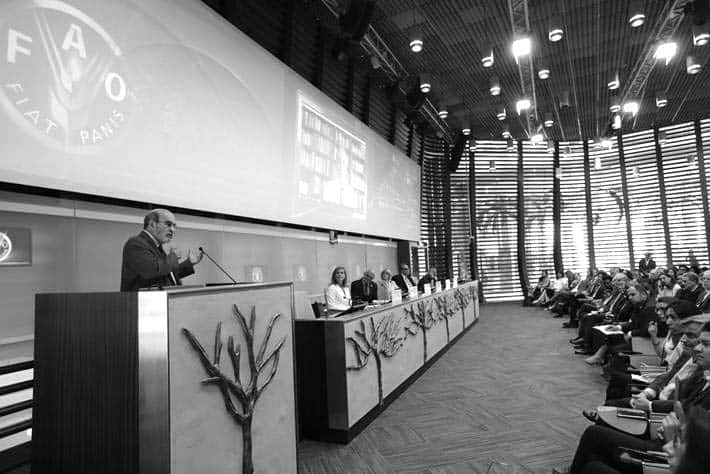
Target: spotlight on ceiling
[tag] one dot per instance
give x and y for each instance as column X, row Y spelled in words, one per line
column 466, row 130
column 501, row 114
column 614, row 82
column 691, row 65
column 488, row 59
column 548, row 120
column 543, row 73
column 701, row 34
column 555, row 32
column 666, row 50
column 510, row 147
column 636, row 14
column 416, row 44
column 631, row 107
column 424, row 83
column 615, row 105
column 495, row 86
column 443, row 111
column 661, row 99
column 616, row 122
column 522, row 104
column 521, row 47
column 506, row 131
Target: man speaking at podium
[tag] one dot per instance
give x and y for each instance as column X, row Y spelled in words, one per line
column 145, row 262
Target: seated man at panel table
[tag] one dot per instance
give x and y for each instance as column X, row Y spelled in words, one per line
column 364, row 290
column 430, row 278
column 145, row 261
column 404, row 280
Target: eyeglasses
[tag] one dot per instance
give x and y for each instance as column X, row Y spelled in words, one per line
column 168, row 224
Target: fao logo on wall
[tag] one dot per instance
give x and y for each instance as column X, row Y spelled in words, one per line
column 61, row 77
column 15, row 246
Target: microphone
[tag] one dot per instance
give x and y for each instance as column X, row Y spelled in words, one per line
column 217, row 264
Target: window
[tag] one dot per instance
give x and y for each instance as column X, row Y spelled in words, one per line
column 537, row 200
column 573, row 215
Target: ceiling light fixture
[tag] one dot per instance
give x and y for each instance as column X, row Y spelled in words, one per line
column 555, row 33
column 543, row 73
column 416, row 45
column 615, row 105
column 666, row 51
column 506, row 131
column 495, row 86
column 521, row 47
column 614, row 82
column 443, row 112
column 466, row 130
column 488, row 58
column 701, row 34
column 661, row 99
column 636, row 14
column 631, row 108
column 501, row 114
column 424, row 83
column 691, row 65
column 548, row 120
column 616, row 122
column 522, row 104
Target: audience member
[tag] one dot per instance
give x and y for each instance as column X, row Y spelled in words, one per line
column 690, row 288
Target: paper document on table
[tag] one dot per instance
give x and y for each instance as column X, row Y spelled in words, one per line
column 639, row 378
column 608, row 329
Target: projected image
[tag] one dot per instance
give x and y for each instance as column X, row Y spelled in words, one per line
column 331, row 168
column 61, row 77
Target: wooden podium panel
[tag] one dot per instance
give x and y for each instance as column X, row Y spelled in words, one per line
column 146, row 382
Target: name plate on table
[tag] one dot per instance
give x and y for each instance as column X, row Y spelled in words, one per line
column 427, row 289
column 396, row 296
column 447, row 284
column 437, row 286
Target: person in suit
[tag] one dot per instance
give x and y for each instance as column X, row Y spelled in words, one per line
column 365, row 289
column 600, row 443
column 703, row 302
column 429, row 277
column 145, row 261
column 646, row 264
column 404, row 280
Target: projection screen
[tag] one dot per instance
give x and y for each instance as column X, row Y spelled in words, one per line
column 163, row 101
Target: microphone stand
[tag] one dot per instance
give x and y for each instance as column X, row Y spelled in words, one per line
column 218, row 266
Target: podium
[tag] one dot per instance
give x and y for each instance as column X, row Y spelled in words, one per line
column 165, row 382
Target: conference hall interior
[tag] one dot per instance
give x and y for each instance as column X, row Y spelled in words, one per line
column 354, row 236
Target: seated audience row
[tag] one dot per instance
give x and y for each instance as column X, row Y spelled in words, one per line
column 650, row 331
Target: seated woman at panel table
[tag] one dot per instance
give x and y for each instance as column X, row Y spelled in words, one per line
column 337, row 295
column 385, row 285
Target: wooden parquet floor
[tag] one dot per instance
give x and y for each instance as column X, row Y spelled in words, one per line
column 507, row 397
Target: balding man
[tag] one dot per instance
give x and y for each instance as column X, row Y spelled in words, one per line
column 364, row 290
column 146, row 263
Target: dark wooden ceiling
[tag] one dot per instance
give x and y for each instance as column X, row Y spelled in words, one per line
column 597, row 41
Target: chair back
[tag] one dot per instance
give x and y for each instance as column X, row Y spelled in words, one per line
column 319, row 309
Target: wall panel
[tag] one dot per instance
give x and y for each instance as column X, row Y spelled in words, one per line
column 573, row 217
column 537, row 200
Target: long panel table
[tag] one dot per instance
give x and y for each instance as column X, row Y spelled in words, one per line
column 349, row 368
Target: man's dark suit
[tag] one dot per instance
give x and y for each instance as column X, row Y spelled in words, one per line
column 703, row 302
column 688, row 295
column 424, row 280
column 357, row 291
column 645, row 267
column 399, row 280
column 145, row 265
